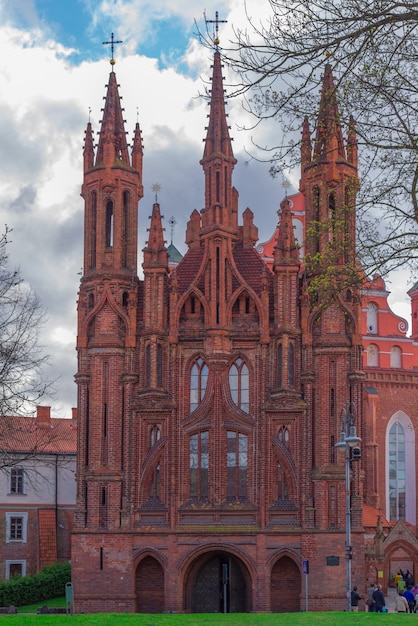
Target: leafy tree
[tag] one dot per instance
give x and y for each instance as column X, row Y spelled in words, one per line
column 372, row 46
column 22, row 384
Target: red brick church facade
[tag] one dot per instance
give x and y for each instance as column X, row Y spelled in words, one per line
column 210, row 395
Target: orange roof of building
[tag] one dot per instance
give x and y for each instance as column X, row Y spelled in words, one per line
column 40, row 435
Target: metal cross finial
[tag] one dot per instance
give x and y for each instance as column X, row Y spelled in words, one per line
column 112, row 43
column 216, row 21
column 172, row 222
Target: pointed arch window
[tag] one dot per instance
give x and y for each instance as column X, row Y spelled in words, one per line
column 109, row 224
column 316, row 215
column 125, row 228
column 159, row 365
column 239, row 384
column 397, row 472
column 291, row 365
column 93, row 227
column 199, row 465
column 198, row 381
column 283, row 435
column 279, row 365
column 155, row 435
column 148, row 365
column 237, row 466
column 332, row 215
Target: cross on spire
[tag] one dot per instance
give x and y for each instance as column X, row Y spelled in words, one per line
column 112, row 43
column 216, row 21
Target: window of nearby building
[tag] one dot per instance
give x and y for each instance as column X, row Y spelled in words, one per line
column 395, row 356
column 198, row 382
column 372, row 317
column 397, row 472
column 17, row 480
column 372, row 356
column 16, row 527
column 237, row 464
column 199, row 465
column 15, row 568
column 239, row 384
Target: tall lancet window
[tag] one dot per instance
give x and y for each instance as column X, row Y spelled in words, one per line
column 198, row 382
column 239, row 384
column 109, row 224
column 199, row 465
column 397, row 472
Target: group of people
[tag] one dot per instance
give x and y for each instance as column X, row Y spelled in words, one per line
column 375, row 600
column 406, row 601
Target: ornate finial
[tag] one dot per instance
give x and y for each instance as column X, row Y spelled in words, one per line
column 137, row 114
column 172, row 222
column 89, row 114
column 216, row 21
column 112, row 43
column 286, row 185
column 156, row 188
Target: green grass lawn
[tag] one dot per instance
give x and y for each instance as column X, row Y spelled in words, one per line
column 232, row 619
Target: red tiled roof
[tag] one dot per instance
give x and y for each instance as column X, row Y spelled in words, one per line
column 26, row 434
column 370, row 515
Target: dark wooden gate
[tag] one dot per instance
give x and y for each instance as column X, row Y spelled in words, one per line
column 219, row 587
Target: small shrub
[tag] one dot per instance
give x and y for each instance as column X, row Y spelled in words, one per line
column 49, row 583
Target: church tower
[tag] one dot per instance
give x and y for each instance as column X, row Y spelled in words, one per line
column 331, row 308
column 106, row 339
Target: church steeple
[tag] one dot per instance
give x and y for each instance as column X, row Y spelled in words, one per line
column 218, row 159
column 112, row 143
column 329, row 143
column 111, row 200
column 329, row 181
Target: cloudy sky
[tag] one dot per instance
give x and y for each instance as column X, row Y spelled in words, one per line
column 53, row 72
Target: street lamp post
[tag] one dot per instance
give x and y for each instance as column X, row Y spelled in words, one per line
column 349, row 442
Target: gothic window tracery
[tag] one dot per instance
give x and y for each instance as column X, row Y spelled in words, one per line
column 198, row 381
column 237, row 464
column 239, row 384
column 155, row 435
column 199, row 465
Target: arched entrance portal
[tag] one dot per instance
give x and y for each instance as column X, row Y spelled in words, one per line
column 149, row 586
column 217, row 583
column 285, row 586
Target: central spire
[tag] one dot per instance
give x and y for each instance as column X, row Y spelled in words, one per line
column 218, row 159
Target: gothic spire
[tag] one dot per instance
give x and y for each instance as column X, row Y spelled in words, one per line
column 113, row 146
column 155, row 252
column 88, row 152
column 218, row 141
column 329, row 143
column 218, row 159
column 286, row 248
